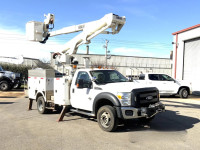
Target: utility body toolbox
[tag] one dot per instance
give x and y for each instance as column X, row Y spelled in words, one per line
column 41, row 80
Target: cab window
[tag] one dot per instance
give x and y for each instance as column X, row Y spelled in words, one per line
column 164, row 77
column 153, row 77
column 85, row 77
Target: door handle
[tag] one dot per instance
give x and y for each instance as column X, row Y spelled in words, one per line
column 73, row 90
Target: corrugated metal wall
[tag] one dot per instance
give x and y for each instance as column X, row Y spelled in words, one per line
column 130, row 65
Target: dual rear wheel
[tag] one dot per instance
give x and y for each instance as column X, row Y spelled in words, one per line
column 41, row 105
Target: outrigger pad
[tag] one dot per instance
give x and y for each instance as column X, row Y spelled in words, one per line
column 30, row 104
column 62, row 114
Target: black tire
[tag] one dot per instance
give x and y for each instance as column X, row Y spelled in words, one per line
column 4, row 86
column 107, row 118
column 41, row 107
column 145, row 120
column 183, row 93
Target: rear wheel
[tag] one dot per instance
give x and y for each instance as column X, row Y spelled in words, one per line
column 183, row 93
column 41, row 105
column 107, row 118
column 4, row 86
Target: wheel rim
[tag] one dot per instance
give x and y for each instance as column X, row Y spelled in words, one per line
column 105, row 119
column 185, row 93
column 4, row 86
column 16, row 85
column 40, row 106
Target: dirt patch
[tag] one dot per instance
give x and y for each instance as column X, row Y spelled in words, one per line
column 12, row 94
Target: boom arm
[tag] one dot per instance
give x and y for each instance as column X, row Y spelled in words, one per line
column 89, row 31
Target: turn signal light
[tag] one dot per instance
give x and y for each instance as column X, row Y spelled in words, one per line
column 74, row 66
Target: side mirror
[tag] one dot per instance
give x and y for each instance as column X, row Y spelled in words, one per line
column 90, row 84
column 94, row 79
column 79, row 83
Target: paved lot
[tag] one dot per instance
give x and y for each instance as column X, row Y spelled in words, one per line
column 177, row 128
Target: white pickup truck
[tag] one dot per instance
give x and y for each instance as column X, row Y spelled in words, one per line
column 165, row 84
column 101, row 93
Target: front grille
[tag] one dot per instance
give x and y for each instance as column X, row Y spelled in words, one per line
column 143, row 97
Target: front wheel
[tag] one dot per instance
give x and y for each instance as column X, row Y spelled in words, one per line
column 183, row 93
column 107, row 118
column 4, row 86
column 41, row 105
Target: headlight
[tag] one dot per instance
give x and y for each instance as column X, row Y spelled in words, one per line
column 124, row 98
column 13, row 75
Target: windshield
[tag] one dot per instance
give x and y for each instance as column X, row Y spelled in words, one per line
column 107, row 76
column 1, row 69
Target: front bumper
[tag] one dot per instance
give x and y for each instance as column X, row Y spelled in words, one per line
column 148, row 112
column 16, row 81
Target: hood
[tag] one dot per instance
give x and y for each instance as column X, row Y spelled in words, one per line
column 7, row 72
column 183, row 83
column 121, row 86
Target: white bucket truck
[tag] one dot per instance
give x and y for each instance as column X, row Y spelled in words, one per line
column 101, row 93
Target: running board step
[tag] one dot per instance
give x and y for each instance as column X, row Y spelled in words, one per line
column 82, row 112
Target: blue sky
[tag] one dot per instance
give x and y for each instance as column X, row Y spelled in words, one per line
column 147, row 32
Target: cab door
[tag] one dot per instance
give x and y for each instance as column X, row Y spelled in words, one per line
column 154, row 81
column 169, row 85
column 81, row 97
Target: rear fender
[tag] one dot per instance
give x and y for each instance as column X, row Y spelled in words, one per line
column 40, row 94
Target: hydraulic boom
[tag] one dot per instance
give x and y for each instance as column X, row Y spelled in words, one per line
column 38, row 31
